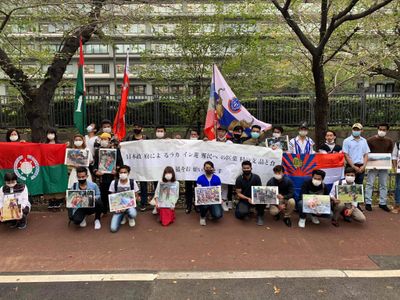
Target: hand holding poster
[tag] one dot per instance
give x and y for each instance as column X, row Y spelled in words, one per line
column 122, row 200
column 11, row 210
column 349, row 193
column 278, row 143
column 80, row 199
column 316, row 204
column 77, row 157
column 168, row 195
column 107, row 160
column 208, row 195
column 264, row 195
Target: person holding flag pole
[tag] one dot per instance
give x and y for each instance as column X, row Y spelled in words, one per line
column 80, row 94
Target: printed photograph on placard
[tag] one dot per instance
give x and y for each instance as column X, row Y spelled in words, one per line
column 107, row 160
column 350, row 193
column 278, row 143
column 264, row 195
column 208, row 195
column 122, row 200
column 80, row 199
column 77, row 157
column 11, row 210
column 380, row 161
column 168, row 195
column 316, row 204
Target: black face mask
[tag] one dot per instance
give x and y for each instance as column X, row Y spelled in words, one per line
column 82, row 181
column 137, row 131
column 209, row 172
column 246, row 173
column 237, row 135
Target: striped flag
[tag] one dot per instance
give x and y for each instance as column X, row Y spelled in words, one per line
column 80, row 95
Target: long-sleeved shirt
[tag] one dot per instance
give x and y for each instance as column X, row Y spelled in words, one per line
column 285, row 186
column 20, row 192
column 309, row 188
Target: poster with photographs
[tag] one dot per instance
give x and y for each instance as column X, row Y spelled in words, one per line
column 208, row 195
column 168, row 195
column 350, row 193
column 122, row 200
column 80, row 199
column 77, row 157
column 379, row 161
column 107, row 160
column 11, row 210
column 264, row 195
column 316, row 204
column 278, row 143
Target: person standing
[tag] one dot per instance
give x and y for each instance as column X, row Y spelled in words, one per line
column 257, row 137
column 91, row 138
column 330, row 145
column 79, row 143
column 302, row 144
column 379, row 143
column 395, row 160
column 190, row 185
column 238, row 135
column 13, row 136
column 356, row 149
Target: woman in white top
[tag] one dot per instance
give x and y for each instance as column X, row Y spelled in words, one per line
column 91, row 138
column 79, row 143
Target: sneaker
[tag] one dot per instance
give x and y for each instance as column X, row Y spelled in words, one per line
column 315, row 220
column 345, row 215
column 57, row 205
column 188, row 210
column 83, row 223
column 368, row 207
column 203, row 222
column 396, row 209
column 384, row 207
column 143, row 208
column 123, row 221
column 302, row 223
column 132, row 223
column 97, row 224
column 154, row 212
column 224, row 206
column 288, row 222
column 21, row 225
column 260, row 221
column 12, row 224
column 50, row 205
column 230, row 204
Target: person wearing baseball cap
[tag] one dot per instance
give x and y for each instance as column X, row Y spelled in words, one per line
column 356, row 149
column 302, row 144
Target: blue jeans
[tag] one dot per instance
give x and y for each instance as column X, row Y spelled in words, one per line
column 397, row 192
column 117, row 218
column 383, row 176
column 215, row 211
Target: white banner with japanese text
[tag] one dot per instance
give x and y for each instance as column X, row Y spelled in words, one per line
column 148, row 158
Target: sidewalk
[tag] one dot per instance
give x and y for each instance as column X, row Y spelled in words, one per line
column 49, row 245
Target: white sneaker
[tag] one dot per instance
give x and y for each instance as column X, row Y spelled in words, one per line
column 315, row 220
column 230, row 204
column 97, row 224
column 123, row 221
column 83, row 223
column 154, row 212
column 302, row 223
column 132, row 223
column 224, row 206
column 203, row 222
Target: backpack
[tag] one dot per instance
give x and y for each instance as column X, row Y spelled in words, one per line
column 131, row 183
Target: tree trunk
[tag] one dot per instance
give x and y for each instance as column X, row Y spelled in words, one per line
column 37, row 113
column 321, row 105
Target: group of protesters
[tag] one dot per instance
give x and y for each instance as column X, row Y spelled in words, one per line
column 355, row 149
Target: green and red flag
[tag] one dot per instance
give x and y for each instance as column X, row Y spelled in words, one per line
column 40, row 166
column 80, row 95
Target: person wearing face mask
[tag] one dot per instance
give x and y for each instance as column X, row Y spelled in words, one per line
column 190, row 185
column 13, row 189
column 91, row 138
column 106, row 127
column 222, row 132
column 356, row 149
column 286, row 195
column 314, row 186
column 209, row 179
column 274, row 143
column 302, row 144
column 160, row 132
column 330, row 146
column 167, row 214
column 257, row 138
column 238, row 135
column 105, row 179
column 79, row 143
column 243, row 186
column 122, row 184
column 379, row 143
column 13, row 136
column 78, row 215
column 349, row 211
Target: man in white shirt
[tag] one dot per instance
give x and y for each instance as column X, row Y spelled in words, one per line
column 302, row 144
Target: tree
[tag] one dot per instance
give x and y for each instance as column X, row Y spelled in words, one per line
column 331, row 17
column 38, row 95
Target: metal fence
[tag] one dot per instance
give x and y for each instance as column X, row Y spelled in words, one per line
column 177, row 110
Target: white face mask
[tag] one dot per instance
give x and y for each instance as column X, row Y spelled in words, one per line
column 13, row 138
column 350, row 179
column 193, row 138
column 278, row 176
column 159, row 135
column 276, row 134
column 330, row 143
column 381, row 133
column 51, row 136
column 123, row 176
column 78, row 143
column 12, row 184
column 168, row 176
column 107, row 130
column 89, row 129
column 316, row 182
column 104, row 143
column 303, row 132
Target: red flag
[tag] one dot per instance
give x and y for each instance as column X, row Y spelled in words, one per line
column 119, row 121
column 211, row 118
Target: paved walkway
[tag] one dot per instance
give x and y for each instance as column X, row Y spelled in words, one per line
column 49, row 245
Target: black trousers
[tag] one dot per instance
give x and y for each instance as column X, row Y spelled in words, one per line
column 189, row 193
column 81, row 213
column 243, row 209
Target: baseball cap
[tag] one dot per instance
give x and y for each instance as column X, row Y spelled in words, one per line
column 357, row 125
column 105, row 135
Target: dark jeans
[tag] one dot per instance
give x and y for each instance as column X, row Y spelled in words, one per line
column 81, row 213
column 215, row 211
column 22, row 221
column 189, row 193
column 230, row 192
column 359, row 178
column 143, row 193
column 304, row 215
column 106, row 180
column 243, row 209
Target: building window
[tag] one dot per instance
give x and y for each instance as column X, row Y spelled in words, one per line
column 95, row 49
column 97, row 89
column 97, row 69
column 167, row 89
column 137, row 90
column 133, row 48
